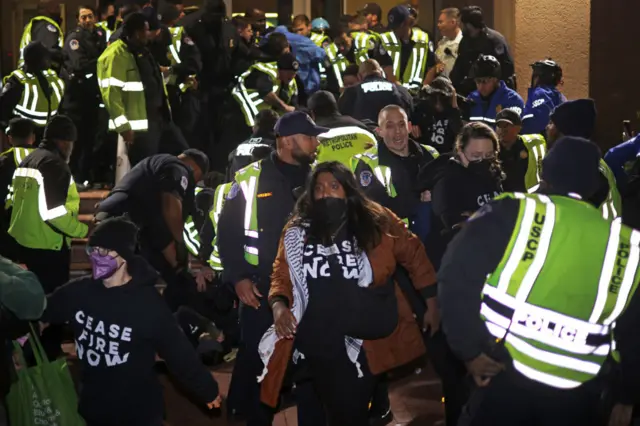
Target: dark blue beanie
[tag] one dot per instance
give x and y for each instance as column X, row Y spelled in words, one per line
column 572, row 165
column 575, row 118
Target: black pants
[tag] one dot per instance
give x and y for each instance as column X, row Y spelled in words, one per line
column 161, row 137
column 345, row 396
column 514, row 400
column 82, row 160
column 232, row 130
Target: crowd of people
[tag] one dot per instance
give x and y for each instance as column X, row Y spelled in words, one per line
column 355, row 196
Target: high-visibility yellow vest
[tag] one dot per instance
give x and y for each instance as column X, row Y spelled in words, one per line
column 414, row 73
column 247, row 179
column 536, row 148
column 18, row 154
column 338, row 63
column 319, row 39
column 249, row 99
column 214, row 215
column 553, row 307
column 174, row 55
column 33, row 104
column 342, row 143
column 26, row 35
column 612, row 206
column 191, row 234
column 104, row 26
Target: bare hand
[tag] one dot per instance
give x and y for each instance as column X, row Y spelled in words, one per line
column 193, row 81
column 431, row 320
column 289, row 108
column 440, row 68
column 284, row 321
column 483, row 369
column 621, row 415
column 128, row 136
column 425, row 196
column 454, row 99
column 165, row 70
column 248, row 293
column 204, row 275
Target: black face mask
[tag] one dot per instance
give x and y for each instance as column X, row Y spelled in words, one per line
column 481, row 168
column 330, row 211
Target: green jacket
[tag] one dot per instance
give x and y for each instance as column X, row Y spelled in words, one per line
column 555, row 310
column 536, row 147
column 122, row 90
column 14, row 157
column 20, row 291
column 45, row 202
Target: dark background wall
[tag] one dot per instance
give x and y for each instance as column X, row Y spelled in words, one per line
column 614, row 61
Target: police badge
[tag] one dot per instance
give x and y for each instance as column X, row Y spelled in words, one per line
column 365, row 178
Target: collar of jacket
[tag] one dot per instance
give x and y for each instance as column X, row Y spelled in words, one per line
column 51, row 147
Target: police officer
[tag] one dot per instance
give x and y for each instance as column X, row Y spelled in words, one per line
column 82, row 99
column 261, row 138
column 347, row 136
column 477, row 40
column 257, row 208
column 351, row 48
column 261, row 27
column 410, row 49
column 521, row 155
column 111, row 21
column 437, row 119
column 126, row 10
column 578, row 118
column 21, row 138
column 158, row 196
column 365, row 100
column 34, row 91
column 373, row 13
column 44, row 216
column 266, row 85
column 543, row 96
column 492, row 94
column 534, row 326
column 319, row 27
column 45, row 28
column 134, row 94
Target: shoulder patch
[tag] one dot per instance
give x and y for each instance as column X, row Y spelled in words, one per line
column 74, row 44
column 51, row 28
column 524, row 154
column 235, row 188
column 382, row 50
column 188, row 41
column 184, row 182
column 99, row 32
column 365, row 178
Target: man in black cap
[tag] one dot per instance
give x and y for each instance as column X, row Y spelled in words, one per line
column 578, row 118
column 529, row 320
column 478, row 39
column 365, row 100
column 373, row 13
column 254, row 214
column 436, row 119
column 521, row 155
column 158, row 196
column 120, row 323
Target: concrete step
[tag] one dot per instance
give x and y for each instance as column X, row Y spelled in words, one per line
column 89, row 199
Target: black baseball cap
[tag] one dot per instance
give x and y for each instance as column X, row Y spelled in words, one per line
column 509, row 116
column 288, row 62
column 371, row 9
column 397, row 16
column 198, row 157
column 297, row 123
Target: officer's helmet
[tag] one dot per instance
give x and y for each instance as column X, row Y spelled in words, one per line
column 486, row 66
column 548, row 72
column 319, row 24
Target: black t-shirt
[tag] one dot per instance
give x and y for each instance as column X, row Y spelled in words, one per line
column 515, row 162
column 439, row 129
column 145, row 184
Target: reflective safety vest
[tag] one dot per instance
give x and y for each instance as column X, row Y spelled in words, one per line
column 33, row 104
column 414, row 73
column 247, row 179
column 190, row 233
column 26, row 35
column 363, row 42
column 611, row 208
column 18, row 155
column 338, row 63
column 342, row 143
column 249, row 99
column 34, row 222
column 104, row 25
column 552, row 307
column 536, row 147
column 174, row 55
column 121, row 88
column 319, row 39
column 214, row 215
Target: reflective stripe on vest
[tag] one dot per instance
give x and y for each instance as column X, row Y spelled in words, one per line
column 176, row 44
column 249, row 99
column 45, row 212
column 190, row 233
column 218, row 203
column 363, row 44
column 18, row 154
column 33, row 104
column 549, row 345
column 338, row 63
column 318, row 39
column 611, row 208
column 536, row 148
column 414, row 73
column 248, row 178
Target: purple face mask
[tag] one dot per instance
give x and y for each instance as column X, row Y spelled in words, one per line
column 104, row 266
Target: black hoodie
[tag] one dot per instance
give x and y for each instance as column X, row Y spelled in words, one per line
column 118, row 332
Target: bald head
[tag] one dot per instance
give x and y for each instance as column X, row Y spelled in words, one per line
column 370, row 67
column 394, row 128
column 393, row 111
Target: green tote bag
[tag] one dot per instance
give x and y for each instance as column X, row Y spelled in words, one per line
column 43, row 395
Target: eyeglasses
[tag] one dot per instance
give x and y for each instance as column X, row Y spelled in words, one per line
column 478, row 156
column 101, row 251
